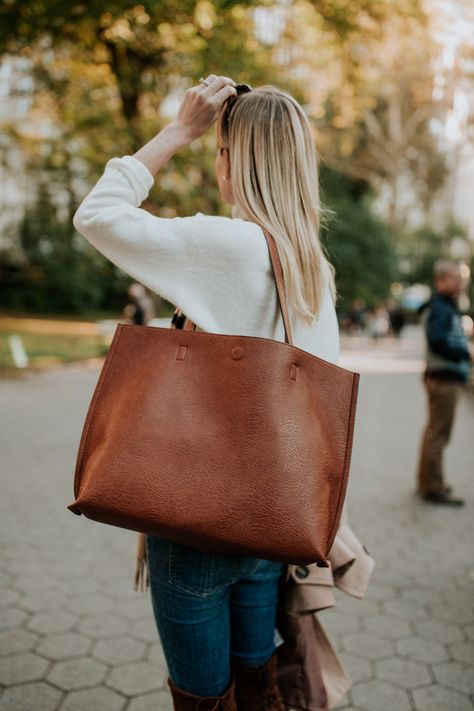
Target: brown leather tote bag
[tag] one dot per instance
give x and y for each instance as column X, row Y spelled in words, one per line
column 225, row 443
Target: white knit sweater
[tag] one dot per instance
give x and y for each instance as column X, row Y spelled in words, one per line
column 217, row 270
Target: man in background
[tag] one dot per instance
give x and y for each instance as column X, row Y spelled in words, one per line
column 448, row 364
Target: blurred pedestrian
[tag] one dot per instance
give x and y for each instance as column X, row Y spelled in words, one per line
column 139, row 310
column 396, row 317
column 356, row 317
column 448, row 364
column 377, row 322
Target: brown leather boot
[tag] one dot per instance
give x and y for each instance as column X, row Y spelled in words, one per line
column 256, row 687
column 184, row 701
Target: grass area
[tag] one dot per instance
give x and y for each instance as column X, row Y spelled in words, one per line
column 51, row 340
column 44, row 350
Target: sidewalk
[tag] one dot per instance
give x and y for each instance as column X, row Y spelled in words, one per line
column 74, row 634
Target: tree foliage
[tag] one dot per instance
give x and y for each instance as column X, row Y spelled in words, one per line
column 104, row 77
column 358, row 243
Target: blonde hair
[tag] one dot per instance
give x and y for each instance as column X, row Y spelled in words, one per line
column 274, row 178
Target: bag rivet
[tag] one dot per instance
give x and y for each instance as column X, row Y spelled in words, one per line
column 237, row 352
column 302, row 572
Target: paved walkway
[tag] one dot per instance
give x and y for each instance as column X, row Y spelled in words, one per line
column 74, row 634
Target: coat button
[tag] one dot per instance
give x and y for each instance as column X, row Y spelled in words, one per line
column 302, row 572
column 237, row 352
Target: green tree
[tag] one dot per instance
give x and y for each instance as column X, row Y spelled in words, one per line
column 358, row 243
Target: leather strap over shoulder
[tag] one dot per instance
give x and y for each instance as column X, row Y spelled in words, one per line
column 278, row 274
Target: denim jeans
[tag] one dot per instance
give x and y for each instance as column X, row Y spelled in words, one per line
column 210, row 608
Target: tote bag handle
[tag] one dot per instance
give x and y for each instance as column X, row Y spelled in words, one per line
column 278, row 274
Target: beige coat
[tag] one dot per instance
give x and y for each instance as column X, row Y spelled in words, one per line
column 311, row 676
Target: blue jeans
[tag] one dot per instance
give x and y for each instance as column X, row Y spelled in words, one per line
column 209, row 608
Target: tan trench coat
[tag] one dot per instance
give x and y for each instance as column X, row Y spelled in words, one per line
column 311, row 676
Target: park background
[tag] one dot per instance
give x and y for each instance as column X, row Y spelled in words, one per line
column 388, row 89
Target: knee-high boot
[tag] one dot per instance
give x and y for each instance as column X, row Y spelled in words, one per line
column 256, row 687
column 185, row 701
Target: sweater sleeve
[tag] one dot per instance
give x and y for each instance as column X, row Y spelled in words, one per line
column 202, row 264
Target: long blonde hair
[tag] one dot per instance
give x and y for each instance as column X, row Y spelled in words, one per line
column 274, row 178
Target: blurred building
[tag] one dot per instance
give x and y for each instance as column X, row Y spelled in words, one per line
column 16, row 89
column 453, row 27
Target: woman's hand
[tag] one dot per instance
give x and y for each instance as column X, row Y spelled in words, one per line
column 197, row 112
column 201, row 104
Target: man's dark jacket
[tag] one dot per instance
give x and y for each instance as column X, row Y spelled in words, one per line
column 447, row 354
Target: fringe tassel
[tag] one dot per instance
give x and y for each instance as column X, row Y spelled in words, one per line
column 142, row 574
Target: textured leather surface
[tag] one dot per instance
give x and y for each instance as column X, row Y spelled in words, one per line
column 226, row 443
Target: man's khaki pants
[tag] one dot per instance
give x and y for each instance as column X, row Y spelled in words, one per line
column 442, row 399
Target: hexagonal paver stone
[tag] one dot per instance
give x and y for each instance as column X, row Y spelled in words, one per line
column 118, row 650
column 463, row 651
column 380, row 591
column 77, row 673
column 160, row 701
column 103, row 626
column 37, row 696
column 11, row 617
column 460, row 613
column 136, row 678
column 422, row 649
column 50, row 622
column 469, row 630
column 84, row 585
column 90, row 604
column 422, row 595
column 345, row 705
column 444, row 632
column 336, row 622
column 134, row 609
column 388, row 626
column 403, row 672
column 8, row 597
column 42, row 600
column 16, row 641
column 455, row 675
column 405, row 610
column 120, row 590
column 438, row 698
column 97, row 698
column 21, row 667
column 359, row 669
column 156, row 655
column 64, row 645
column 354, row 606
column 368, row 644
column 376, row 695
column 145, row 630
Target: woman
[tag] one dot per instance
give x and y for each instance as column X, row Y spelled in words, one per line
column 216, row 614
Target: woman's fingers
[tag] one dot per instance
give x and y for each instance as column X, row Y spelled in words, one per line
column 210, row 78
column 216, row 84
column 224, row 93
